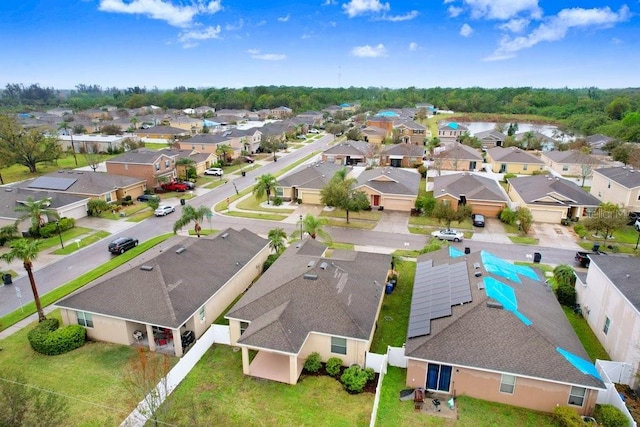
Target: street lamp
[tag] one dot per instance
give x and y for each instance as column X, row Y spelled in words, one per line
column 301, row 234
column 59, row 234
column 638, row 241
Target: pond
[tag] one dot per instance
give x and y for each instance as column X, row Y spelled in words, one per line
column 548, row 130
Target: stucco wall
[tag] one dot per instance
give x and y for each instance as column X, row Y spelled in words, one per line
column 608, row 190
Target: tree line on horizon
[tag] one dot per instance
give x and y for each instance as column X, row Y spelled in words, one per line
column 586, row 111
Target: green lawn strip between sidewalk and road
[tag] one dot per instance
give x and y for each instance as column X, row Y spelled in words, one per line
column 72, row 246
column 67, row 235
column 250, row 203
column 64, row 290
column 523, row 240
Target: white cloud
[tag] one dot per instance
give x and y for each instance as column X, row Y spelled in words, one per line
column 255, row 54
column 616, row 40
column 555, row 28
column 261, row 23
column 454, row 11
column 413, row 46
column 283, row 19
column 367, row 51
column 448, row 1
column 399, row 18
column 466, row 30
column 329, row 2
column 175, row 15
column 235, row 27
column 515, row 25
column 361, row 7
column 189, row 38
column 503, row 9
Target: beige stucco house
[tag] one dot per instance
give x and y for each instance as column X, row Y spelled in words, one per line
column 618, row 185
column 411, row 132
column 305, row 183
column 448, row 133
column 374, row 135
column 482, row 327
column 348, row 153
column 402, row 155
column 458, row 157
column 153, row 301
column 484, row 195
column 571, row 163
column 513, row 160
column 610, row 301
column 491, row 138
column 305, row 303
column 390, row 188
column 551, row 199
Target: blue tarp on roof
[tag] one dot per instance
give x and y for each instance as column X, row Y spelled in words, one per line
column 505, row 295
column 209, row 123
column 387, row 114
column 455, row 253
column 453, row 125
column 500, row 267
column 345, row 105
column 584, row 366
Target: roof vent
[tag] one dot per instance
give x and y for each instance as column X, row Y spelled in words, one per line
column 225, row 235
column 478, row 273
column 146, row 267
column 310, row 276
column 494, row 304
column 180, row 249
column 480, row 286
column 324, row 265
column 311, row 263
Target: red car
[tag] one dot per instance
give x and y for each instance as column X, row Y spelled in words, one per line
column 175, row 186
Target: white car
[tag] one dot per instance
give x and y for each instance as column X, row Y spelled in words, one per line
column 164, row 210
column 456, row 236
column 214, row 171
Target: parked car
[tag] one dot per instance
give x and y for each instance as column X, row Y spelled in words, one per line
column 164, row 210
column 478, row 220
column 174, row 186
column 583, row 259
column 214, row 171
column 147, row 197
column 190, row 185
column 633, row 218
column 314, row 131
column 449, row 234
column 122, row 244
column 248, row 159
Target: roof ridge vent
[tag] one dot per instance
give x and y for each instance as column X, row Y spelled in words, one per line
column 310, row 276
column 181, row 249
column 494, row 304
column 225, row 235
column 146, row 267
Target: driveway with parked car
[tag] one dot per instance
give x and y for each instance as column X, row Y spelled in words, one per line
column 214, row 172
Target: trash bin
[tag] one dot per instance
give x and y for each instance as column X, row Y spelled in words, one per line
column 467, row 250
column 389, row 288
column 244, row 173
column 182, row 202
column 6, row 278
column 537, row 256
column 596, row 247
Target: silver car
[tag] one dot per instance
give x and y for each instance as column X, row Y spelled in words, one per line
column 164, row 210
column 449, row 234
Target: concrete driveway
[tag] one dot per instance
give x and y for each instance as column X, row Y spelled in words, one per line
column 554, row 235
column 491, row 232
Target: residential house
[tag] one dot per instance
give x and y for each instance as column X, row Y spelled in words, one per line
column 153, row 300
column 390, row 188
column 482, row 327
column 161, row 133
column 551, row 199
column 449, row 133
column 304, row 303
column 200, row 161
column 348, row 153
column 190, row 125
column 429, row 109
column 281, row 112
column 411, row 132
column 458, row 157
column 491, row 138
column 381, row 122
column 237, row 139
column 60, row 111
column 153, row 166
column 597, row 143
column 571, row 162
column 374, row 135
column 305, row 183
column 610, row 301
column 93, row 143
column 402, row 155
column 617, row 185
column 513, row 160
column 483, row 194
column 332, row 110
column 315, row 117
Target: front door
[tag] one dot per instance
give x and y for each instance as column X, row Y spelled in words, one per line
column 375, row 200
column 472, row 166
column 503, row 168
column 438, row 377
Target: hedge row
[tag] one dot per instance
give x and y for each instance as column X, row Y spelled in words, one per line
column 47, row 338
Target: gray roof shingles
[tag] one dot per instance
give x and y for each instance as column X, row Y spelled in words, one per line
column 623, row 175
column 536, row 187
column 513, row 155
column 313, row 176
column 391, row 180
column 623, row 273
column 473, row 187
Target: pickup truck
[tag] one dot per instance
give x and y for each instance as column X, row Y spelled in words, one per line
column 174, row 186
column 583, row 259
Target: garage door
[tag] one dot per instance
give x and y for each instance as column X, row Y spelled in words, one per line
column 545, row 215
column 310, row 197
column 485, row 209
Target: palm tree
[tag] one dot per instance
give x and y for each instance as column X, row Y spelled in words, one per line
column 266, row 184
column 313, row 226
column 224, row 152
column 65, row 126
column 134, row 122
column 27, row 251
column 277, row 237
column 189, row 213
column 35, row 210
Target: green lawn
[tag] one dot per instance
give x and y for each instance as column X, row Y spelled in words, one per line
column 523, row 240
column 72, row 246
column 591, row 344
column 216, row 393
column 255, row 215
column 90, row 378
column 251, row 203
column 67, row 235
column 365, row 215
column 363, row 225
column 18, row 172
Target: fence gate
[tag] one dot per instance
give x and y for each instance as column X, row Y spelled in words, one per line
column 396, row 357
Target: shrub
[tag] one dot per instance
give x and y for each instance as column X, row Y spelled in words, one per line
column 354, row 379
column 48, row 230
column 299, row 201
column 66, row 223
column 580, row 230
column 610, row 416
column 334, row 364
column 47, row 339
column 313, row 362
column 566, row 295
column 277, row 201
column 434, row 245
column 371, row 374
column 508, row 176
column 508, row 216
column 269, row 261
column 567, row 417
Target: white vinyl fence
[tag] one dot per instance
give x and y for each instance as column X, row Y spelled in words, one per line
column 378, row 362
column 611, row 373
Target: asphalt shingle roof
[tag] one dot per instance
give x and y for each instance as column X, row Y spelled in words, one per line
column 11, row 197
column 572, row 157
column 313, row 175
column 403, row 149
column 474, row 187
column 391, row 180
column 141, row 156
column 460, row 152
column 623, row 175
column 623, row 273
column 512, row 155
column 353, row 148
column 533, row 189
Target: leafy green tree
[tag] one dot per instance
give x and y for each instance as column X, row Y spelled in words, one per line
column 8, row 232
column 66, row 126
column 313, row 226
column 111, row 129
column 27, row 251
column 277, row 238
column 35, row 210
column 444, row 211
column 354, row 134
column 182, row 166
column 526, row 219
column 265, row 185
column 564, row 275
column 426, row 203
column 607, row 218
column 224, row 153
column 340, row 193
column 95, row 207
column 26, row 147
column 622, row 153
column 189, row 213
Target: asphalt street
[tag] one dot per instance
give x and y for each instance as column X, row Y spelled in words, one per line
column 71, row 266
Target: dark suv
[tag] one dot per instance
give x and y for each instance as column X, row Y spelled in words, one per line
column 122, row 244
column 147, row 197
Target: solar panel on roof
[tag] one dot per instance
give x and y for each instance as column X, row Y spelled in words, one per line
column 459, row 282
column 52, row 183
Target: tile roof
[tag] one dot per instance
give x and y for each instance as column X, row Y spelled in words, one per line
column 623, row 175
column 483, row 337
column 472, row 186
column 340, row 297
column 512, row 155
column 313, row 175
column 623, row 273
column 391, row 180
column 572, row 157
column 178, row 285
column 548, row 190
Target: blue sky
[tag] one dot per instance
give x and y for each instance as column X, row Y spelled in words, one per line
column 320, row 43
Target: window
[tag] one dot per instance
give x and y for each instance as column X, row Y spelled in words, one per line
column 84, row 319
column 524, row 167
column 576, row 396
column 166, row 163
column 565, row 168
column 108, row 197
column 607, row 323
column 507, row 384
column 157, row 165
column 201, row 314
column 338, row 345
column 279, row 192
column 243, row 327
